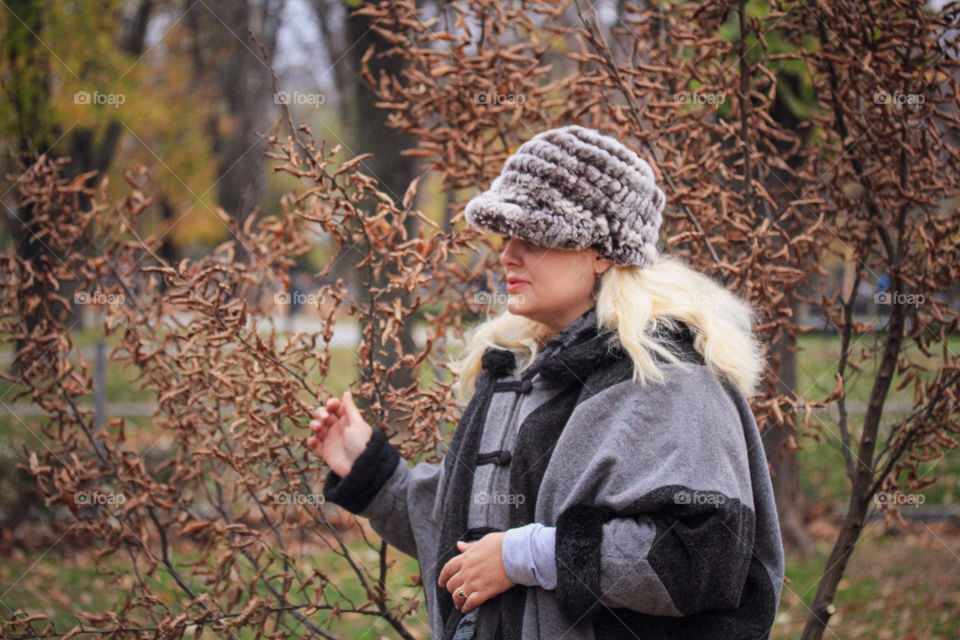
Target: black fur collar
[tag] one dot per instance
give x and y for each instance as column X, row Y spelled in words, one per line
column 580, row 347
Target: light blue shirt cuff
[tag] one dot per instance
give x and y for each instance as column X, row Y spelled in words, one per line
column 529, row 555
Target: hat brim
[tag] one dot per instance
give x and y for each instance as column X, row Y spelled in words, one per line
column 494, row 214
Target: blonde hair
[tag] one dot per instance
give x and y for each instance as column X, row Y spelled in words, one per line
column 636, row 302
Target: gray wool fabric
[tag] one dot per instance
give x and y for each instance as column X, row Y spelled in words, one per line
column 575, row 188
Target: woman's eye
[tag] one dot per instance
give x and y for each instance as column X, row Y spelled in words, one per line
column 525, row 244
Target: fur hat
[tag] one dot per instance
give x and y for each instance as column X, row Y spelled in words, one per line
column 575, row 188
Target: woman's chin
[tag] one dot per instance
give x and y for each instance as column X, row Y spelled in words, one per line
column 521, row 309
column 517, row 308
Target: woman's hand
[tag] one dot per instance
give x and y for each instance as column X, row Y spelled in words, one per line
column 478, row 571
column 340, row 433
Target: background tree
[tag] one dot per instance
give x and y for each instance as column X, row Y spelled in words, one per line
column 225, row 58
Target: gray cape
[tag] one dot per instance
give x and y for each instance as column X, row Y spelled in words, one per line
column 661, row 495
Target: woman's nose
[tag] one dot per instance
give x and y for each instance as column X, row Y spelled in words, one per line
column 509, row 254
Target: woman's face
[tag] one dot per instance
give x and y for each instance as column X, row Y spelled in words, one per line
column 551, row 286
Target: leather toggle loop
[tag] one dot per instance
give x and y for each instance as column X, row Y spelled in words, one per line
column 500, row 457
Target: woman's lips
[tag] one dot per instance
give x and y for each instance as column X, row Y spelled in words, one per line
column 515, row 285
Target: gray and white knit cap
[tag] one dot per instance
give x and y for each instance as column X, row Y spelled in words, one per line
column 575, row 188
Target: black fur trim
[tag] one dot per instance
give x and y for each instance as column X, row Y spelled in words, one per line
column 499, row 362
column 752, row 620
column 459, row 465
column 370, row 471
column 701, row 550
column 579, row 361
column 579, row 534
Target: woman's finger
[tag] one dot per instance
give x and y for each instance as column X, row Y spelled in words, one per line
column 321, row 433
column 449, row 569
column 340, row 424
column 319, row 428
column 334, row 406
column 474, row 600
column 353, row 414
column 455, row 582
column 324, row 419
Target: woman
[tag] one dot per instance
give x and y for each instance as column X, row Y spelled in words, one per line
column 606, row 479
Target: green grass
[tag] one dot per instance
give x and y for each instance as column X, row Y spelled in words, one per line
column 59, row 583
column 398, row 587
column 823, row 477
column 818, row 360
column 888, row 591
column 883, row 591
column 800, row 588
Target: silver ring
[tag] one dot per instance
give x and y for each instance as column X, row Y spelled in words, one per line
column 461, row 594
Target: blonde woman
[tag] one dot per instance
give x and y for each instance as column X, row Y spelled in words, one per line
column 606, row 478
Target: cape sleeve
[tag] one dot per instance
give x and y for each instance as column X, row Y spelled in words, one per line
column 658, row 514
column 401, row 503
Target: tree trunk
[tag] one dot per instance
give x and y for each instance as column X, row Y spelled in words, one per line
column 225, row 57
column 370, row 133
column 28, row 92
column 863, row 477
column 823, row 606
column 779, row 442
column 785, row 471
